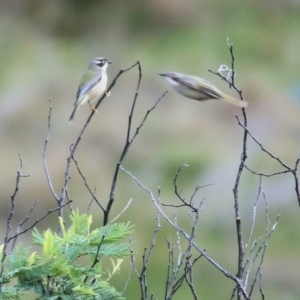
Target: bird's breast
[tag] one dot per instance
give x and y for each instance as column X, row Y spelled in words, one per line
column 97, row 91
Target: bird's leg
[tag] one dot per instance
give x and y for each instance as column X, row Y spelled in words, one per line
column 107, row 93
column 93, row 108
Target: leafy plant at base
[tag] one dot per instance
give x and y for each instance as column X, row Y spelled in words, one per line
column 57, row 273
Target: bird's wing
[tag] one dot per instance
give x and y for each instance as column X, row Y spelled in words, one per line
column 206, row 87
column 86, row 84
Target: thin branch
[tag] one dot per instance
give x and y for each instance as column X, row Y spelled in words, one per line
column 146, row 258
column 280, row 161
column 121, row 212
column 91, row 201
column 37, row 221
column 261, row 146
column 249, row 262
column 173, row 284
column 86, row 184
column 128, row 143
column 125, row 149
column 12, row 211
column 266, row 175
column 188, row 237
column 56, row 197
column 294, row 171
column 189, row 275
column 191, row 203
column 254, row 213
column 130, row 271
column 96, row 260
column 178, row 193
column 23, row 222
column 263, row 247
column 241, row 249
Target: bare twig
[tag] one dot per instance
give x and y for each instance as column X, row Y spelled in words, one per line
column 263, row 247
column 241, row 249
column 121, row 212
column 22, row 223
column 91, row 201
column 130, row 271
column 266, row 175
column 125, row 149
column 12, row 211
column 191, row 203
column 86, row 184
column 37, row 221
column 146, row 258
column 184, row 259
column 280, row 161
column 188, row 237
column 289, row 169
column 56, row 197
column 127, row 145
column 254, row 213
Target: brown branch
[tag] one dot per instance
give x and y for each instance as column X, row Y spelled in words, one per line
column 241, row 249
column 37, row 221
column 280, row 161
column 188, row 237
column 127, row 145
column 23, row 222
column 11, row 212
column 86, row 185
column 146, row 258
column 45, row 157
column 191, row 203
column 125, row 149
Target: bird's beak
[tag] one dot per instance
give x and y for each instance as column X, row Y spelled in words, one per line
column 162, row 74
column 110, row 62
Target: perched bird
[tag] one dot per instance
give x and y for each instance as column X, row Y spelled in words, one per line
column 197, row 88
column 92, row 84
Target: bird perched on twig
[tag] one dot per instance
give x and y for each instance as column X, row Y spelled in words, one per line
column 198, row 89
column 92, row 85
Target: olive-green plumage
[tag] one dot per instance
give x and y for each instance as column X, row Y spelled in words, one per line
column 198, row 89
column 92, row 85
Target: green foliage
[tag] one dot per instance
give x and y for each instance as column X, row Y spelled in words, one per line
column 57, row 272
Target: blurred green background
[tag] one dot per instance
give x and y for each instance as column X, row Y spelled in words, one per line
column 45, row 48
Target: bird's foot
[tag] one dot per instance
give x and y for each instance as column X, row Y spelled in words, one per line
column 107, row 93
column 93, row 108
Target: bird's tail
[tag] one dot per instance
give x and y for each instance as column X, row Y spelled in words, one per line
column 234, row 101
column 73, row 114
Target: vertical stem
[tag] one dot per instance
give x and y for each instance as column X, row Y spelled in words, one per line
column 238, row 220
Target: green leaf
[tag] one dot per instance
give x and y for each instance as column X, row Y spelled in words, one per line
column 80, row 223
column 111, row 233
column 48, row 247
column 38, row 239
column 120, row 250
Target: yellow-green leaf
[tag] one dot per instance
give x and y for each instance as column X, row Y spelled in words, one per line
column 48, row 244
column 31, row 259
